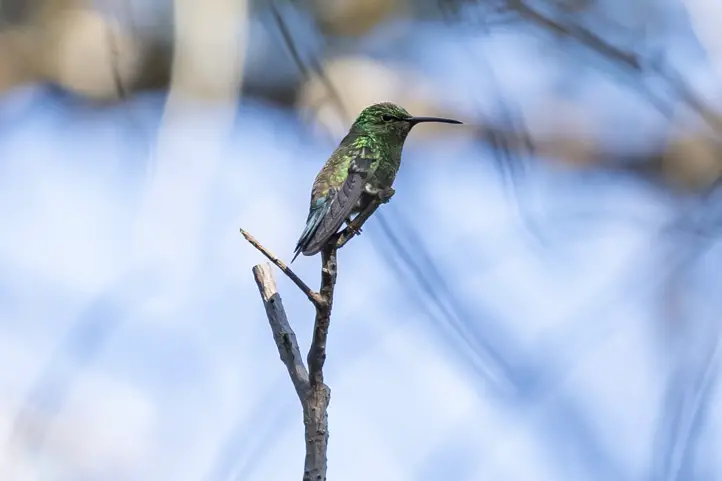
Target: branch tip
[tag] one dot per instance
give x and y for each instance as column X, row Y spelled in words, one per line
column 314, row 297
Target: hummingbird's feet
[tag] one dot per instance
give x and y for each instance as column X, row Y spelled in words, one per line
column 383, row 195
column 351, row 226
column 386, row 194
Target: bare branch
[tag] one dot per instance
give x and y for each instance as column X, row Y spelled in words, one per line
column 315, row 416
column 282, row 333
column 112, row 39
column 317, row 394
column 315, row 420
column 317, row 353
column 314, row 297
column 312, row 392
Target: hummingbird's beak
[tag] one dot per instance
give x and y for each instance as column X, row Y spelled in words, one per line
column 417, row 120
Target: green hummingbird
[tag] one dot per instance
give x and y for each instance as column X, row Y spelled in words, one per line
column 362, row 167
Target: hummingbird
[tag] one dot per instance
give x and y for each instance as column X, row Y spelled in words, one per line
column 361, row 169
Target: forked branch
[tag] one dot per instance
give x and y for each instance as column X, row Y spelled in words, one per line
column 314, row 396
column 310, row 388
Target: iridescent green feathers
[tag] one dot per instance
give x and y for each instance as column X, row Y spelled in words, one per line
column 364, row 164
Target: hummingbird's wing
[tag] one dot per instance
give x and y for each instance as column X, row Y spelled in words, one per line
column 339, row 205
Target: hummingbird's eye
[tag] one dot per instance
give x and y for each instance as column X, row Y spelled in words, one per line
column 387, row 118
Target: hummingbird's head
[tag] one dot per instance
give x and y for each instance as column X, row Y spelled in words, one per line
column 391, row 121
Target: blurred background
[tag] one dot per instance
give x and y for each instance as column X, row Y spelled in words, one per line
column 538, row 302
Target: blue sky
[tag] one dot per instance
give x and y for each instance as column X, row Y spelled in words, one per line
column 130, row 318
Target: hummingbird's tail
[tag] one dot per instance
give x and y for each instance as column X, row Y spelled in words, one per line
column 315, row 216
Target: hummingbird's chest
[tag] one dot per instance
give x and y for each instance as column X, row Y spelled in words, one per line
column 386, row 168
column 384, row 174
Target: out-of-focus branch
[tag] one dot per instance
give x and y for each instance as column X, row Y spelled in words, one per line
column 629, row 60
column 120, row 88
column 691, row 349
column 315, row 65
column 704, row 16
column 663, row 164
column 626, row 59
column 576, row 32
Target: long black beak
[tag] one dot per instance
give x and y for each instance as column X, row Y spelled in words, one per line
column 417, row 120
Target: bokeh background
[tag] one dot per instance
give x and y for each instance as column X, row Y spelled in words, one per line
column 540, row 300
